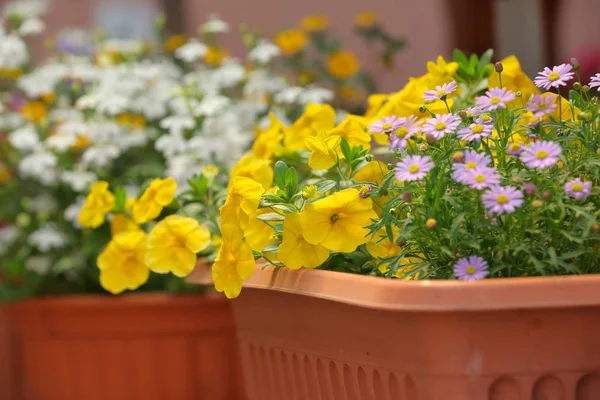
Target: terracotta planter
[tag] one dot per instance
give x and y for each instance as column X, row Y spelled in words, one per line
column 320, row 335
column 8, row 379
column 128, row 347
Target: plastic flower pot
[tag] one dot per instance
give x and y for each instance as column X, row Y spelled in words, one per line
column 8, row 386
column 323, row 335
column 153, row 346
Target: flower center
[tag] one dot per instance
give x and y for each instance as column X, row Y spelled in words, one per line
column 541, row 154
column 440, row 93
column 471, row 165
column 401, row 132
column 477, row 128
column 552, row 76
column 471, row 270
column 337, row 216
column 542, row 107
column 440, row 126
column 413, row 169
column 480, row 178
column 495, row 100
column 577, row 187
column 387, row 127
column 502, row 199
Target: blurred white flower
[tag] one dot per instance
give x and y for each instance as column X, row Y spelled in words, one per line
column 79, row 181
column 42, row 80
column 40, row 165
column 61, row 142
column 191, row 51
column 264, row 52
column 177, row 124
column 229, row 74
column 25, row 139
column 128, row 140
column 316, row 95
column 214, row 25
column 170, row 144
column 72, row 212
column 42, row 203
column 8, row 234
column 38, row 264
column 340, row 115
column 260, row 83
column 100, row 156
column 26, row 8
column 46, row 238
column 211, row 105
column 13, row 52
column 32, row 26
column 182, row 167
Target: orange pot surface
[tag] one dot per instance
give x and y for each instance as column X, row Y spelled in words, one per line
column 335, row 336
column 151, row 346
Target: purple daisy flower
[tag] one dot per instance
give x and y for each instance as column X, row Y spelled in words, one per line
column 578, row 188
column 541, row 105
column 472, row 268
column 440, row 125
column 515, row 148
column 477, row 130
column 473, row 111
column 595, row 82
column 413, row 168
column 472, row 161
column 481, row 177
column 404, row 129
column 501, row 200
column 495, row 98
column 440, row 91
column 384, row 125
column 542, row 154
column 555, row 77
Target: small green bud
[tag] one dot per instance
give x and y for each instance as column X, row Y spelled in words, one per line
column 422, row 109
column 586, row 88
column 423, row 147
column 369, row 157
column 23, row 220
column 584, row 116
column 519, row 94
column 575, row 64
column 577, row 86
column 498, row 67
column 390, row 167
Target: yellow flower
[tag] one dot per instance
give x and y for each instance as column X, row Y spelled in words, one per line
column 442, row 70
column 372, row 172
column 406, row 266
column 132, row 121
column 99, row 202
column 382, row 247
column 310, row 192
column 514, row 79
column 159, row 194
column 255, row 168
column 338, row 222
column 258, row 234
column 243, row 197
column 11, row 73
column 234, row 263
column 34, row 111
column 315, row 118
column 351, row 130
column 5, row 173
column 291, row 41
column 122, row 264
column 122, row 223
column 314, row 23
column 174, row 243
column 81, row 143
column 295, row 252
column 374, row 104
column 174, row 42
column 210, row 171
column 268, row 142
column 342, row 64
column 366, row 19
column 323, row 150
column 215, row 56
column 49, row 97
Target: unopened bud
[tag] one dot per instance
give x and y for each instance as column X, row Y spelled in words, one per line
column 530, row 189
column 575, row 64
column 462, row 114
column 390, row 167
column 430, row 138
column 584, row 116
column 498, row 67
column 577, row 86
column 369, row 157
column 431, row 223
column 422, row 109
column 406, row 197
column 517, row 179
column 458, row 157
column 423, row 147
column 519, row 94
column 586, row 88
column 537, row 203
column 546, row 196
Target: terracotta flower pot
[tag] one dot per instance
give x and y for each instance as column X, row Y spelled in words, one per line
column 129, row 347
column 321, row 335
column 8, row 379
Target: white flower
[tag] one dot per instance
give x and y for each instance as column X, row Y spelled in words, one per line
column 170, row 144
column 42, row 203
column 72, row 212
column 79, row 181
column 260, row 83
column 40, row 165
column 100, row 156
column 191, row 51
column 25, row 139
column 13, row 52
column 104, row 131
column 289, row 95
column 229, row 74
column 214, row 25
column 182, row 167
column 46, row 238
column 26, row 8
column 340, row 115
column 32, row 26
column 316, row 95
column 128, row 140
column 42, row 80
column 264, row 52
column 211, row 105
column 177, row 124
column 8, row 234
column 38, row 264
column 61, row 142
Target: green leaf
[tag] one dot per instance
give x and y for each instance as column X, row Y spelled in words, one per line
column 346, row 150
column 120, row 199
column 199, row 184
column 291, row 182
column 460, row 57
column 272, row 248
column 281, row 169
column 485, row 58
column 270, row 217
column 325, row 186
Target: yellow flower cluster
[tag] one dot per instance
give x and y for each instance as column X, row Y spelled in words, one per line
column 171, row 246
